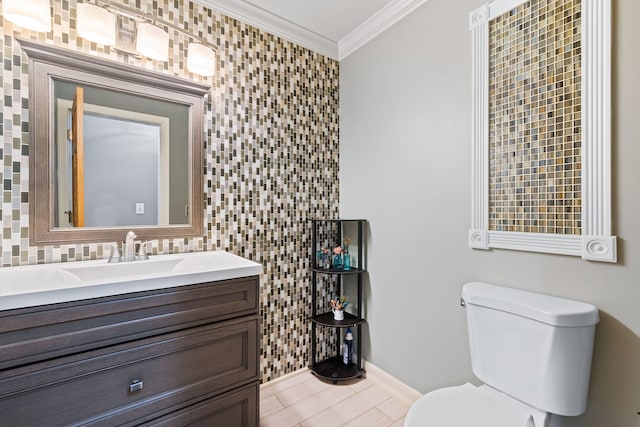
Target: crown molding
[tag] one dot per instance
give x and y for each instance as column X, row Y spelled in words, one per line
column 383, row 19
column 274, row 24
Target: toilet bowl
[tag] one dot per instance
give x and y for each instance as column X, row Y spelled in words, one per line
column 471, row 406
column 531, row 351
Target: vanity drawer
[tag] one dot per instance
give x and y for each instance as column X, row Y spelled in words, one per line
column 101, row 388
column 237, row 408
column 39, row 333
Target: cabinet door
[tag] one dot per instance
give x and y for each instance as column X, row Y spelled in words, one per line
column 238, row 408
column 132, row 382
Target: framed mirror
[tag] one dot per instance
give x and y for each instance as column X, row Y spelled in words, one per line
column 113, row 148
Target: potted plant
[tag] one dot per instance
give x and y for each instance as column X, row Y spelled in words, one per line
column 338, row 305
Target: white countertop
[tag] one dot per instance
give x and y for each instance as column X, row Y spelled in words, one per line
column 34, row 285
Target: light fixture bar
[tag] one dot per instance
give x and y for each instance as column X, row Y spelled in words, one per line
column 137, row 16
column 103, row 24
column 149, row 40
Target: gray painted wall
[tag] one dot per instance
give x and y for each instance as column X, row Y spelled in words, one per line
column 405, row 164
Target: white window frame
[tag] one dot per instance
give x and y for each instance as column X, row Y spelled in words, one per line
column 596, row 242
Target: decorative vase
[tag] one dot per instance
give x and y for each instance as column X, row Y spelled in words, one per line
column 338, row 314
column 346, row 261
column 337, row 261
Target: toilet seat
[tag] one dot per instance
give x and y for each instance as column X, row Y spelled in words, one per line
column 471, row 406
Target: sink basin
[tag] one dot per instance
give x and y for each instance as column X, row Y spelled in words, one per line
column 32, row 285
column 16, row 280
column 125, row 269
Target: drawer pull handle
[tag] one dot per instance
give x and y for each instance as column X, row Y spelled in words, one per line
column 136, row 386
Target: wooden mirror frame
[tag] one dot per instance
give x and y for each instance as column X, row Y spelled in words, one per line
column 48, row 62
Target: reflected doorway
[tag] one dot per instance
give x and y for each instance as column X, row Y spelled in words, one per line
column 125, row 173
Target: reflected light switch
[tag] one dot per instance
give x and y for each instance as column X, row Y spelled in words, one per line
column 139, row 208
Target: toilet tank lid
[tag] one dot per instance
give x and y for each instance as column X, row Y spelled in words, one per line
column 543, row 308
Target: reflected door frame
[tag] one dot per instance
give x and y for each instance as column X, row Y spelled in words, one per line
column 63, row 114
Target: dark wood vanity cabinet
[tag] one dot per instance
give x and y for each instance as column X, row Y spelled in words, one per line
column 186, row 355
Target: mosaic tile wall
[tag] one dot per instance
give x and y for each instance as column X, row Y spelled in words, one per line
column 271, row 157
column 534, row 118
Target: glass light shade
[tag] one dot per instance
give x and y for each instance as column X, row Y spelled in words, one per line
column 96, row 24
column 152, row 42
column 31, row 14
column 201, row 59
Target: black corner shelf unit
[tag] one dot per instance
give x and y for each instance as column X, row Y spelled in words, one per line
column 332, row 368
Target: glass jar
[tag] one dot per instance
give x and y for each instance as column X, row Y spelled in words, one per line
column 337, row 261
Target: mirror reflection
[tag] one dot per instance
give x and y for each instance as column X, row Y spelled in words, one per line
column 121, row 159
column 114, row 148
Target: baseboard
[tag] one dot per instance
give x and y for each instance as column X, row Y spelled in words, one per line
column 390, row 382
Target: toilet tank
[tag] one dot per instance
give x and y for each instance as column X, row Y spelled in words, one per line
column 534, row 347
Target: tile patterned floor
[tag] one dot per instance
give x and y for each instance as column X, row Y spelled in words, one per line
column 305, row 401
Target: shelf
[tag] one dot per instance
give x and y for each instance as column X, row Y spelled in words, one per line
column 337, row 271
column 327, row 233
column 334, row 370
column 326, row 319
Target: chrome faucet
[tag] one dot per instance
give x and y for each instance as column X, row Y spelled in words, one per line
column 129, row 247
column 129, row 250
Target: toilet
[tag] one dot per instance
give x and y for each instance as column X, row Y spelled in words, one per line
column 531, row 351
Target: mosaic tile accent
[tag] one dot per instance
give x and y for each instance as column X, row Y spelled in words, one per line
column 271, row 157
column 535, row 118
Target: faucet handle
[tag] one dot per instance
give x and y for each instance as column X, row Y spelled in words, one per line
column 142, row 252
column 115, row 254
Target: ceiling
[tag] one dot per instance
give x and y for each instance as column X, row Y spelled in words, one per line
column 334, row 28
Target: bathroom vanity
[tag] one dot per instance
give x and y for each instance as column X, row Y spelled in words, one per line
column 182, row 352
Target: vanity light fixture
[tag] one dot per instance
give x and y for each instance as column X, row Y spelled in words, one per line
column 152, row 41
column 103, row 25
column 201, row 59
column 96, row 24
column 31, row 14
